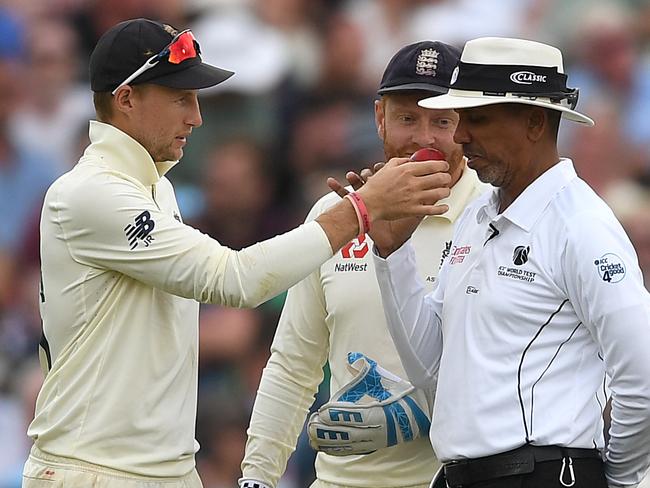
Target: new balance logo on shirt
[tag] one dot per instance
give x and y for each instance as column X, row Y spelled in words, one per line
column 138, row 232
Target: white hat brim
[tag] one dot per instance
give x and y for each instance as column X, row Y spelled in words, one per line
column 459, row 99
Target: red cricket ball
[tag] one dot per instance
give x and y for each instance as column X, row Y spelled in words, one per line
column 427, row 153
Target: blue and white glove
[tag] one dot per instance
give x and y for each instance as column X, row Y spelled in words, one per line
column 374, row 410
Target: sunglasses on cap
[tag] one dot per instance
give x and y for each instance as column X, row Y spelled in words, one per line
column 183, row 46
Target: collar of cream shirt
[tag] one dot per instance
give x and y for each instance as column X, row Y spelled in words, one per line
column 119, row 151
column 460, row 192
column 529, row 206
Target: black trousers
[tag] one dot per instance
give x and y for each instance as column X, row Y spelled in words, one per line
column 588, row 473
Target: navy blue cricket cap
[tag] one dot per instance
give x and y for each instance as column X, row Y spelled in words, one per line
column 425, row 66
column 128, row 45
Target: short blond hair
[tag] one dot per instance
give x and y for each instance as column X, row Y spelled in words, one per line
column 103, row 102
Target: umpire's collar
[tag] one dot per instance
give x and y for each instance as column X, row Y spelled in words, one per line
column 119, row 151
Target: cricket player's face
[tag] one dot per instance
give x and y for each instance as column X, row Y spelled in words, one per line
column 165, row 118
column 494, row 140
column 405, row 127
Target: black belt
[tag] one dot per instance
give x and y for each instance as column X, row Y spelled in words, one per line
column 518, row 461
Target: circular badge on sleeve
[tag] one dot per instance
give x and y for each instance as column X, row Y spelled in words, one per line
column 610, row 268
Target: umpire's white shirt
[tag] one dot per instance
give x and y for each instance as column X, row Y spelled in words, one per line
column 533, row 307
column 120, row 278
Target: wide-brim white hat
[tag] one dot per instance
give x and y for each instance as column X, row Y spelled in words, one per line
column 496, row 70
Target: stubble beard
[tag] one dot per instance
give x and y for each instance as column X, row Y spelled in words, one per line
column 491, row 176
column 390, row 151
column 165, row 153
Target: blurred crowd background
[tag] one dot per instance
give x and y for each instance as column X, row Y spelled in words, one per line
column 299, row 109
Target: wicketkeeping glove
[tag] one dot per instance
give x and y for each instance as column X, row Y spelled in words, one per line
column 374, row 410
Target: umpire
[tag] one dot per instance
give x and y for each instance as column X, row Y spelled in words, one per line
column 540, row 298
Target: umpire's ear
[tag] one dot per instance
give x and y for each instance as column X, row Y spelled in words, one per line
column 537, row 120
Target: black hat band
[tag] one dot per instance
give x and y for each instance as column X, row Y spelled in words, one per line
column 509, row 78
column 518, row 80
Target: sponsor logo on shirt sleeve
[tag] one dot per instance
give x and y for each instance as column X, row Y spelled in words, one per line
column 139, row 231
column 610, row 268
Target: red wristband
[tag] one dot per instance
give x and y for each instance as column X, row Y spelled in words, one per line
column 361, row 211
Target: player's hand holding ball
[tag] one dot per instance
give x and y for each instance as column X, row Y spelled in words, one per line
column 390, row 236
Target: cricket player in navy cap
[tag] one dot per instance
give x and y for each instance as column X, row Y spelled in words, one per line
column 122, row 274
column 373, row 431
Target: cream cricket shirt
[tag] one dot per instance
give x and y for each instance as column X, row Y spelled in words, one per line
column 336, row 310
column 121, row 276
column 533, row 307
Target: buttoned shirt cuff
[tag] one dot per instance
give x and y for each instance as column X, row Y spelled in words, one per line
column 397, row 268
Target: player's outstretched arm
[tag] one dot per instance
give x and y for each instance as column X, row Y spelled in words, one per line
column 115, row 226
